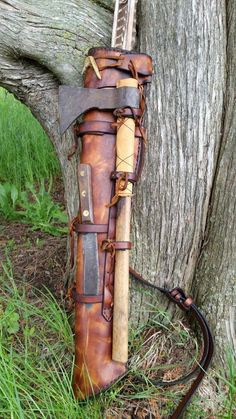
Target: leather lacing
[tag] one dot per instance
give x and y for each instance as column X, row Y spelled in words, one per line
column 121, row 185
column 122, row 181
column 109, row 246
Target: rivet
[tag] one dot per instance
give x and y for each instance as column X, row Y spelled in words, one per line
column 82, row 173
column 85, row 213
column 83, row 193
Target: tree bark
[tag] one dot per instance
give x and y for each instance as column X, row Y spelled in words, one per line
column 185, row 201
column 215, row 286
column 43, row 45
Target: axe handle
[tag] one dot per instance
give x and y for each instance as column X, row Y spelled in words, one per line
column 121, row 284
column 125, row 160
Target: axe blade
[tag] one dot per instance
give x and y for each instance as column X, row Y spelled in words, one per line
column 70, row 106
column 74, row 101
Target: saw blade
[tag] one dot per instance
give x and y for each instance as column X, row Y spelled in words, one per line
column 124, row 24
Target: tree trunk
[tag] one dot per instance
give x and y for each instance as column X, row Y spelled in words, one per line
column 185, row 201
column 216, row 271
column 43, row 45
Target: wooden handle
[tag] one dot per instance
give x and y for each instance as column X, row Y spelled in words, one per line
column 124, row 163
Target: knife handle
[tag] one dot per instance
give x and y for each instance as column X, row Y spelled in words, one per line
column 85, row 192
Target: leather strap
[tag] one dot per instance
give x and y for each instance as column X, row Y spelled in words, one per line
column 106, row 58
column 131, row 176
column 112, row 245
column 90, row 228
column 86, row 299
column 178, row 297
column 107, row 309
column 100, row 128
column 128, row 112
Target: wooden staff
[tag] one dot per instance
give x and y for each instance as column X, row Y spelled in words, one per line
column 124, row 163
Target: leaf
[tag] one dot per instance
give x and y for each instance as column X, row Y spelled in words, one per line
column 29, row 331
column 15, row 317
column 14, row 195
column 13, row 325
column 13, row 329
column 2, row 190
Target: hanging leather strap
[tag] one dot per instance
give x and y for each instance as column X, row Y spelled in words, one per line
column 178, row 297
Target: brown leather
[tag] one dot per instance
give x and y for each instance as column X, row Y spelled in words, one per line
column 94, row 368
column 100, row 128
column 131, row 177
column 90, row 228
column 87, row 299
column 128, row 112
column 105, row 57
column 110, row 245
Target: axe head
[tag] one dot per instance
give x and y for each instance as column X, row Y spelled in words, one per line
column 74, row 101
column 71, row 100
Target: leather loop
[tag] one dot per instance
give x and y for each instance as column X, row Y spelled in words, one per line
column 132, row 177
column 90, row 228
column 108, row 280
column 117, row 245
column 177, row 296
column 100, row 128
column 86, row 299
column 128, row 112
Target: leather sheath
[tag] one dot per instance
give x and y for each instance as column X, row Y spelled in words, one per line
column 94, row 368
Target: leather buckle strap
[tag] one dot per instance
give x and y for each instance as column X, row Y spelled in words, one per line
column 106, row 57
column 178, row 296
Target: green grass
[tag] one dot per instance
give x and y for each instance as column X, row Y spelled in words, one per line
column 26, row 154
column 36, row 341
column 36, row 356
column 34, row 207
column 36, row 363
column 27, row 163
